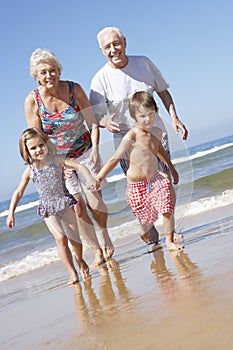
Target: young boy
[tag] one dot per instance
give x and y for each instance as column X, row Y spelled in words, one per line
column 148, row 190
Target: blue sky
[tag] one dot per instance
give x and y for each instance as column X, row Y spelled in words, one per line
column 191, row 42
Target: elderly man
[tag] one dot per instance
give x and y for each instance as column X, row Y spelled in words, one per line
column 114, row 84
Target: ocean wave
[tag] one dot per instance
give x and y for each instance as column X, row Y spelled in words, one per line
column 201, row 154
column 21, row 207
column 39, row 259
column 216, row 182
column 115, row 178
column 208, row 203
column 30, row 262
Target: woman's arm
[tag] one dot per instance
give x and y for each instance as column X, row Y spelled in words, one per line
column 17, row 195
column 89, row 116
column 32, row 113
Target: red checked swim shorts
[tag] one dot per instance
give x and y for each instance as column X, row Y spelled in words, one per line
column 150, row 197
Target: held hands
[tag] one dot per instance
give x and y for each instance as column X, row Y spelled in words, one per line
column 92, row 184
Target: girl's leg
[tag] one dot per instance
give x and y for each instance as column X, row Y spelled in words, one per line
column 87, row 229
column 54, row 225
column 169, row 229
column 70, row 223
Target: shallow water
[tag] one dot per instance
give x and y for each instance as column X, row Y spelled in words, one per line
column 142, row 298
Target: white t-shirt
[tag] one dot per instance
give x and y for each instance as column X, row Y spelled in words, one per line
column 112, row 88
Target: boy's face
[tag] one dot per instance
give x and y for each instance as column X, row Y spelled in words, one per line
column 145, row 118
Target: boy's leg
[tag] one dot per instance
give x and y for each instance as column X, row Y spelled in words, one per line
column 149, row 234
column 169, row 229
column 54, row 225
column 177, row 236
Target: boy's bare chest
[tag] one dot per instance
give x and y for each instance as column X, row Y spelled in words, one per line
column 147, row 143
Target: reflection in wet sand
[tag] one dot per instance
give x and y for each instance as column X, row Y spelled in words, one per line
column 166, row 303
column 113, row 296
column 186, row 277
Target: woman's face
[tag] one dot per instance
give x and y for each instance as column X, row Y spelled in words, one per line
column 48, row 74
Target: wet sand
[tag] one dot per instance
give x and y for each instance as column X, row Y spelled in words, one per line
column 142, row 299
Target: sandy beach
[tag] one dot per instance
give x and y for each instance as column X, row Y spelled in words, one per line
column 144, row 298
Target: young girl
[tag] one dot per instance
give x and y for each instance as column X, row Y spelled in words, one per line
column 55, row 203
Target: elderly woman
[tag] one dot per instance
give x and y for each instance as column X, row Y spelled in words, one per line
column 60, row 108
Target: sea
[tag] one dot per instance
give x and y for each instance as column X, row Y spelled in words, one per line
column 206, row 183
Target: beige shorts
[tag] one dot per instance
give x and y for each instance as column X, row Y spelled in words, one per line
column 77, row 182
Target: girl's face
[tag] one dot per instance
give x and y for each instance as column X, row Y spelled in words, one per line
column 47, row 74
column 145, row 118
column 37, row 148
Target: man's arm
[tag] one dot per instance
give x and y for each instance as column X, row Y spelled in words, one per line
column 170, row 107
column 108, row 123
column 165, row 159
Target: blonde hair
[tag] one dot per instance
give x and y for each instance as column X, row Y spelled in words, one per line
column 141, row 99
column 29, row 134
column 41, row 55
column 109, row 30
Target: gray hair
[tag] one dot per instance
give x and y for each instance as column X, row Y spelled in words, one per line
column 109, row 30
column 40, row 55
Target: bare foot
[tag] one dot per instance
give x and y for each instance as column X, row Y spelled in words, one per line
column 151, row 237
column 178, row 237
column 172, row 246
column 108, row 246
column 73, row 279
column 99, row 258
column 84, row 269
column 108, row 252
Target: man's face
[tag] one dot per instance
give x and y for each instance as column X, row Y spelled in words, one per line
column 113, row 47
